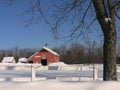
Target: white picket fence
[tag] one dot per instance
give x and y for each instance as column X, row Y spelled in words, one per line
column 35, row 72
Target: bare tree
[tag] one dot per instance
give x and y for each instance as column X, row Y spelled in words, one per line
column 80, row 15
column 105, row 14
column 106, row 17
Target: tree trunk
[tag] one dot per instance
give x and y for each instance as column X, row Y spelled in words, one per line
column 109, row 49
column 107, row 23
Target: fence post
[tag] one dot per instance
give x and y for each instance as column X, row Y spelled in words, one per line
column 94, row 72
column 33, row 74
column 81, row 67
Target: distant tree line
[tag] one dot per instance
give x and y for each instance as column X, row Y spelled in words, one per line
column 80, row 54
column 17, row 53
column 75, row 53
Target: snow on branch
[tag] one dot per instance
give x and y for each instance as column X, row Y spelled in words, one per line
column 107, row 19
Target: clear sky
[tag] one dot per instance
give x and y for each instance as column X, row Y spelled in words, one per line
column 13, row 32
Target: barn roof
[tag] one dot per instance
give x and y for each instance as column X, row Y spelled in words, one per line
column 8, row 59
column 49, row 50
column 33, row 55
column 22, row 60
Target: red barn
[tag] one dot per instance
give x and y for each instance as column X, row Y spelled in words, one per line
column 45, row 54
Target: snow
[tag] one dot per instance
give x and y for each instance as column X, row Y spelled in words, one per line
column 58, row 64
column 20, row 78
column 22, row 60
column 8, row 60
column 57, row 85
column 107, row 19
column 33, row 55
column 48, row 49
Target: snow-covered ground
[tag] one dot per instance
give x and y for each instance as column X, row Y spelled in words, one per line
column 56, row 76
column 58, row 85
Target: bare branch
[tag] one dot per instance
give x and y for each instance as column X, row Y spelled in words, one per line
column 117, row 9
column 32, row 17
column 41, row 13
column 82, row 22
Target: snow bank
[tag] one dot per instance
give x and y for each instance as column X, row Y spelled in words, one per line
column 109, row 85
column 56, row 85
column 24, row 82
column 58, row 64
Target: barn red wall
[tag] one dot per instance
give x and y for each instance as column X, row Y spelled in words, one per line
column 36, row 59
column 51, row 58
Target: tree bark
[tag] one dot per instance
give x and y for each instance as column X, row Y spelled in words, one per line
column 107, row 22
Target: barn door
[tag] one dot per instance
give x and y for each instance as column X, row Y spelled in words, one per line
column 44, row 62
column 44, row 59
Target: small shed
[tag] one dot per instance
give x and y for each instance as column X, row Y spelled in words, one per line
column 22, row 60
column 8, row 60
column 45, row 56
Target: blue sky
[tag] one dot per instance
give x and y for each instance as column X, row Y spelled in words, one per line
column 13, row 32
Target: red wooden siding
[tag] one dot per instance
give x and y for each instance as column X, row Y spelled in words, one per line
column 44, row 54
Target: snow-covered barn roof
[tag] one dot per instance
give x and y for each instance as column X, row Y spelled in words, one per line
column 8, row 59
column 49, row 50
column 22, row 60
column 33, row 55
